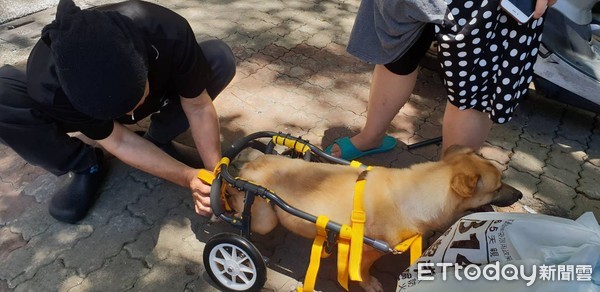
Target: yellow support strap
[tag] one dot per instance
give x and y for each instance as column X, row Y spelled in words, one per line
column 343, row 255
column 357, row 164
column 416, row 249
column 208, row 177
column 315, row 255
column 415, row 243
column 358, row 219
column 291, row 143
column 224, row 161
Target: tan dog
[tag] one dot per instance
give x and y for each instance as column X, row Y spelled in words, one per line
column 398, row 202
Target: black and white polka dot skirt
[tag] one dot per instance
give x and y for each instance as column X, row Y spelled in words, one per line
column 487, row 57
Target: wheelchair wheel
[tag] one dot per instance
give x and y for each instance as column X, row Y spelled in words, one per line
column 234, row 263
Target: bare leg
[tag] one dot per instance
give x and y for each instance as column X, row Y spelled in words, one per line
column 467, row 127
column 388, row 93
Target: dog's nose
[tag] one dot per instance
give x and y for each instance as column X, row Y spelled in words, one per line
column 509, row 191
column 507, row 195
column 518, row 194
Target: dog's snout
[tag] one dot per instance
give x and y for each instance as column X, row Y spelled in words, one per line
column 511, row 191
column 507, row 195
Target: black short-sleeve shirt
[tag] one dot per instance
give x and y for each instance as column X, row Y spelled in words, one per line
column 177, row 67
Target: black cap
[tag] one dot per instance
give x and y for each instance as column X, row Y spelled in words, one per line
column 100, row 58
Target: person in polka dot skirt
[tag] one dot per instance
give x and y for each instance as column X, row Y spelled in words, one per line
column 487, row 62
column 486, row 56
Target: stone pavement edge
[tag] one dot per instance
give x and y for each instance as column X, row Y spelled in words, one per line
column 293, row 76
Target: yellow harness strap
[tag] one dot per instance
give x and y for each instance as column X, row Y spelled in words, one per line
column 343, row 253
column 357, row 219
column 208, row 178
column 315, row 255
column 415, row 243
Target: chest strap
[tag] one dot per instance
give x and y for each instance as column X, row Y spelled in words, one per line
column 315, row 255
column 415, row 243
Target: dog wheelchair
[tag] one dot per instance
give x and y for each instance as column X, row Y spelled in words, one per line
column 235, row 264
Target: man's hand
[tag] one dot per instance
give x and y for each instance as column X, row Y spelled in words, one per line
column 201, row 194
column 541, row 6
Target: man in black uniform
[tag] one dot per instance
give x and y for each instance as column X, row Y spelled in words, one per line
column 93, row 71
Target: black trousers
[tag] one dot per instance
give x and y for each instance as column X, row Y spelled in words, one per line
column 42, row 142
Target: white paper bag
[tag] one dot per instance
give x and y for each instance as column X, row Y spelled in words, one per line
column 510, row 252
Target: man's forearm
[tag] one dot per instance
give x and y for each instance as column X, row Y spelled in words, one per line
column 143, row 155
column 204, row 126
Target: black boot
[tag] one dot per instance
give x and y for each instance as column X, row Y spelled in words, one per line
column 72, row 202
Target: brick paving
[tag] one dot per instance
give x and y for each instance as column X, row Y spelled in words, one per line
column 293, row 76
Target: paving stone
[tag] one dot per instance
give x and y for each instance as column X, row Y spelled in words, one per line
column 577, row 125
column 32, row 221
column 505, row 136
column 319, row 40
column 42, row 188
column 430, row 152
column 12, row 204
column 203, row 283
column 497, row 154
column 9, row 241
column 590, row 178
column 554, row 192
column 593, row 150
column 23, row 263
column 561, row 174
column 113, row 202
column 584, row 204
column 118, row 273
column 141, row 248
column 106, row 241
column 529, row 157
column 541, row 207
column 279, row 282
column 177, row 254
column 522, row 181
column 568, row 157
column 53, row 277
column 170, row 274
column 542, row 128
column 155, row 205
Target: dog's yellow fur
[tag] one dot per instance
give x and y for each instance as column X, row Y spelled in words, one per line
column 398, row 202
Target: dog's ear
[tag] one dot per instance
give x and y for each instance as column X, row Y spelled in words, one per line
column 465, row 184
column 457, row 149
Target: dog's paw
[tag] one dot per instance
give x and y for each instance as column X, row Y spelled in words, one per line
column 371, row 284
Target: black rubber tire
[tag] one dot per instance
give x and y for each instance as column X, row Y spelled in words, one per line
column 228, row 274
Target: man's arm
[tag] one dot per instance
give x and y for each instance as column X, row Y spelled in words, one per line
column 143, row 155
column 204, row 126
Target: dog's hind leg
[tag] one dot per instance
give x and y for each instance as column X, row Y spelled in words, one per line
column 369, row 283
column 263, row 216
